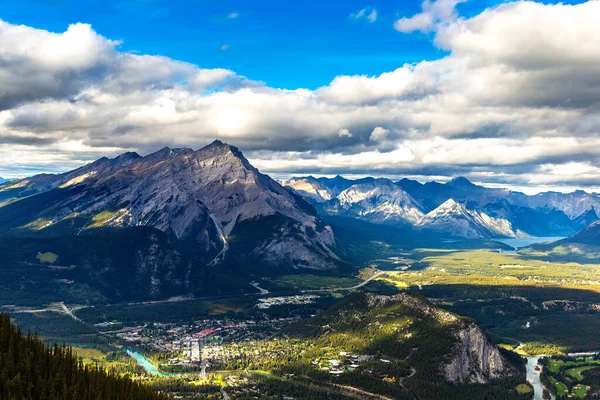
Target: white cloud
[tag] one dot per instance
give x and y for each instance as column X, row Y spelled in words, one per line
column 368, row 13
column 344, row 133
column 434, row 13
column 225, row 47
column 233, row 15
column 379, row 134
column 518, row 105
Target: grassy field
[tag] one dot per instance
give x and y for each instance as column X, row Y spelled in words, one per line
column 47, row 257
column 569, row 373
column 561, row 388
column 311, row 282
column 575, row 373
column 580, row 391
column 134, row 314
column 482, row 267
column 524, row 389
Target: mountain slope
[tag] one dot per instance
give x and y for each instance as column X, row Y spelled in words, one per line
column 527, row 221
column 573, row 204
column 198, row 198
column 587, row 218
column 31, row 370
column 583, row 246
column 456, row 220
column 404, row 332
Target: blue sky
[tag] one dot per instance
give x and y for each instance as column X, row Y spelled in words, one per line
column 285, row 44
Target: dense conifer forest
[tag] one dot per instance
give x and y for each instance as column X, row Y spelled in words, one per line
column 31, row 370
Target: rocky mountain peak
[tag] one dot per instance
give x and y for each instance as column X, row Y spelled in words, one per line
column 460, row 181
column 450, row 205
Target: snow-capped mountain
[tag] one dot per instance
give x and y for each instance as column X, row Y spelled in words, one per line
column 309, row 188
column 204, row 200
column 379, row 201
column 369, row 199
column 544, row 214
column 455, row 219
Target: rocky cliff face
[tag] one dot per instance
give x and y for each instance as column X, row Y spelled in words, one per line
column 476, row 359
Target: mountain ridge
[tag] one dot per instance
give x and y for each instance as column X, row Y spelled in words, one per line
column 213, row 206
column 499, row 212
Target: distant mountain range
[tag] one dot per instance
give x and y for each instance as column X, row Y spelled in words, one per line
column 456, row 208
column 2, row 180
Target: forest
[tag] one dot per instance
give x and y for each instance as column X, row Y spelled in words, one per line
column 32, row 370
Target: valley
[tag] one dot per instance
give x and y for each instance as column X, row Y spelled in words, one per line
column 196, row 274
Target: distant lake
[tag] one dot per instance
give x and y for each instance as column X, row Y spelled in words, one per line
column 524, row 242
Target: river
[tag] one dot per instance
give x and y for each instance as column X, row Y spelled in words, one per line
column 533, row 377
column 146, row 364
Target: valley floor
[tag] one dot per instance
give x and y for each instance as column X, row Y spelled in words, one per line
column 219, row 345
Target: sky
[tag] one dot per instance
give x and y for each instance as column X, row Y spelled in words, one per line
column 504, row 93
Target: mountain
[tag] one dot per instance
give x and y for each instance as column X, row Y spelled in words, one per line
column 587, row 218
column 32, row 370
column 527, row 221
column 583, row 246
column 211, row 205
column 438, row 351
column 373, row 200
column 455, row 219
column 433, row 194
column 573, row 204
column 309, row 188
column 378, row 201
column 321, row 190
column 2, row 180
column 589, row 235
column 501, row 212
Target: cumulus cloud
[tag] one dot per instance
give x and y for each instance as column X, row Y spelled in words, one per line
column 512, row 102
column 435, row 13
column 368, row 13
column 344, row 133
column 379, row 134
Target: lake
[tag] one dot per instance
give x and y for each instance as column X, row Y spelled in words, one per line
column 517, row 243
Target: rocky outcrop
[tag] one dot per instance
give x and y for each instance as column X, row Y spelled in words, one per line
column 476, row 359
column 473, row 359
